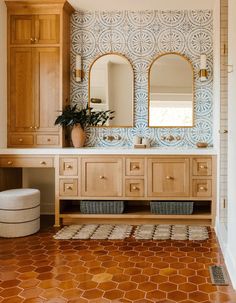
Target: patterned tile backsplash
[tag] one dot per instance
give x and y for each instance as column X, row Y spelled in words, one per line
column 141, row 36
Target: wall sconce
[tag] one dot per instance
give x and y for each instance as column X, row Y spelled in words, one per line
column 78, row 68
column 203, row 68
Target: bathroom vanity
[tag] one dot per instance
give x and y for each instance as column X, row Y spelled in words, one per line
column 134, row 176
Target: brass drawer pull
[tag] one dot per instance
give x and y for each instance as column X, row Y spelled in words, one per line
column 20, row 140
column 169, row 178
column 203, row 167
column 69, row 187
column 135, row 188
column 102, row 177
column 43, row 163
column 69, row 166
column 135, row 167
column 49, row 140
column 202, row 188
column 9, row 162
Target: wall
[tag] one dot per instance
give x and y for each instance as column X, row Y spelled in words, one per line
column 141, row 36
column 3, row 74
column 230, row 251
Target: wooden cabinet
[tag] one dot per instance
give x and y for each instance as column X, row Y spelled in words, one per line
column 34, row 92
column 168, row 177
column 35, row 29
column 137, row 180
column 102, row 177
column 39, row 75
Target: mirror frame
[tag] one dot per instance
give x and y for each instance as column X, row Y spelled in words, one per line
column 149, row 89
column 89, row 77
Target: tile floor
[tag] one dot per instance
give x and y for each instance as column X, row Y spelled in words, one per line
column 41, row 269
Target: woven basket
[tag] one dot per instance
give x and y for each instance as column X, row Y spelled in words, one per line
column 102, row 207
column 171, row 208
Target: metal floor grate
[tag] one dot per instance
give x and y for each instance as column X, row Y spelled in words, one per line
column 218, row 275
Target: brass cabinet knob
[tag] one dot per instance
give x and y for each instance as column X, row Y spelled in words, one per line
column 35, row 127
column 31, row 127
column 69, row 187
column 31, row 40
column 35, row 39
column 20, row 140
column 49, row 140
column 43, row 163
column 135, row 188
column 169, row 178
column 202, row 188
column 203, row 166
column 68, row 166
column 135, row 167
column 102, row 177
column 9, row 162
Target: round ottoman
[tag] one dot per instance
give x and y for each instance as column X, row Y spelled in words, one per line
column 19, row 212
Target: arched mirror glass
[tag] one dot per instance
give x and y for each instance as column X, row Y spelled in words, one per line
column 111, row 85
column 171, row 92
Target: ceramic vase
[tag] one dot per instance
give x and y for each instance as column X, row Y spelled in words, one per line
column 78, row 136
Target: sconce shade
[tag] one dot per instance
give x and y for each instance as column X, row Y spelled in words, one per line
column 78, row 68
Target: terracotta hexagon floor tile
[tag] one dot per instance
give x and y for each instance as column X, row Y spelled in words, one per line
column 197, row 280
column 72, row 293
column 12, row 300
column 199, row 296
column 158, row 279
column 126, row 286
column 51, row 293
column 92, row 294
column 10, row 292
column 134, row 295
column 177, row 296
column 103, row 277
column 188, row 287
column 48, row 284
column 29, row 283
column 120, row 278
column 178, row 279
column 139, row 278
column 33, row 292
column 9, row 283
column 114, row 294
column 167, row 286
column 168, row 271
column 132, row 271
column 156, row 295
column 107, row 285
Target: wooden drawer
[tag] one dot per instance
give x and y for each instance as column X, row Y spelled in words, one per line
column 134, row 167
column 202, row 167
column 26, row 162
column 68, row 187
column 134, row 187
column 168, row 177
column 21, row 140
column 68, row 167
column 49, row 140
column 202, row 188
column 101, row 177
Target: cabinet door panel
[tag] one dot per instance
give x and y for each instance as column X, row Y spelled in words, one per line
column 47, row 28
column 47, row 96
column 168, row 177
column 22, row 29
column 21, row 110
column 101, row 177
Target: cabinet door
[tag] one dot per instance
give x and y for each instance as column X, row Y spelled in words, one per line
column 22, row 29
column 47, row 88
column 47, row 29
column 101, row 177
column 168, row 177
column 21, row 109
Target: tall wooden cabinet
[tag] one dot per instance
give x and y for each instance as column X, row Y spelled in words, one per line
column 38, row 70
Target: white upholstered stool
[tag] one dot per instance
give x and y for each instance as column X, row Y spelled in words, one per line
column 19, row 212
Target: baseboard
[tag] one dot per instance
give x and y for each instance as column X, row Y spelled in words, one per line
column 228, row 258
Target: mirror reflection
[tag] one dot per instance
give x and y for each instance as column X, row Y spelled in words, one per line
column 111, row 88
column 171, row 92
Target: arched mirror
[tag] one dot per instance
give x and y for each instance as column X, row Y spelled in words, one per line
column 171, row 92
column 111, row 87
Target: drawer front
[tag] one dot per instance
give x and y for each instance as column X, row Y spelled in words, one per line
column 202, row 167
column 202, row 188
column 68, row 187
column 101, row 177
column 68, row 167
column 168, row 177
column 134, row 167
column 21, row 140
column 49, row 140
column 26, row 162
column 134, row 187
